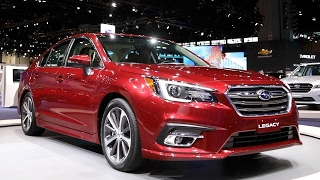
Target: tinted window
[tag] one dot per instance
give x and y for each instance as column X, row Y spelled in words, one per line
column 147, row 50
column 44, row 59
column 309, row 70
column 56, row 55
column 83, row 46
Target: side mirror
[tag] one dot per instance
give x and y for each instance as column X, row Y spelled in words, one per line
column 81, row 59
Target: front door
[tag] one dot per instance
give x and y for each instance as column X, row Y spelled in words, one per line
column 78, row 104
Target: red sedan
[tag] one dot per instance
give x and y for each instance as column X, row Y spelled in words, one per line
column 144, row 98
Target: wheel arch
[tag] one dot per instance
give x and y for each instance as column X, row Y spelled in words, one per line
column 107, row 98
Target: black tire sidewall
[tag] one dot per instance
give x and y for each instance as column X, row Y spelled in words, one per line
column 134, row 158
column 34, row 130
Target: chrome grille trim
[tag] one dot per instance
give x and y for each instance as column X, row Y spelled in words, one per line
column 300, row 87
column 264, row 109
column 246, row 101
column 252, row 138
column 259, row 102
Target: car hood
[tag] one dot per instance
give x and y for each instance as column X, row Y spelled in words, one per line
column 301, row 79
column 201, row 75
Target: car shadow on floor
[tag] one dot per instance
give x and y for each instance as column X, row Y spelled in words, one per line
column 239, row 167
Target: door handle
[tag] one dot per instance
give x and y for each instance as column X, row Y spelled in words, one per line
column 59, row 78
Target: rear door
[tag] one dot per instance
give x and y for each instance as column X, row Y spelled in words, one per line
column 44, row 82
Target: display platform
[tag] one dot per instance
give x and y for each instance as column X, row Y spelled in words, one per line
column 55, row 156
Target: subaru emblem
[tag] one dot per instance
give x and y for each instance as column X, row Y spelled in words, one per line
column 264, row 94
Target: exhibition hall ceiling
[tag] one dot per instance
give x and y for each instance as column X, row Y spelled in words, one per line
column 27, row 27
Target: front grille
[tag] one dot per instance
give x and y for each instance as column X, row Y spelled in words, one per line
column 252, row 138
column 310, row 99
column 300, row 87
column 248, row 102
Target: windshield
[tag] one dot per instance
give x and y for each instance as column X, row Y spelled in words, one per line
column 309, row 70
column 129, row 49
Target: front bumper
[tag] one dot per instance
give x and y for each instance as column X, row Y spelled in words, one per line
column 218, row 124
column 181, row 156
column 311, row 97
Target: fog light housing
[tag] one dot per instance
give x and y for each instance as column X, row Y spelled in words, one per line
column 181, row 139
column 181, row 135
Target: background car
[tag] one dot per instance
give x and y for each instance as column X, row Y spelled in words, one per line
column 278, row 75
column 168, row 104
column 304, row 83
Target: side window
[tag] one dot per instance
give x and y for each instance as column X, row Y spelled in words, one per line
column 43, row 61
column 56, row 55
column 82, row 46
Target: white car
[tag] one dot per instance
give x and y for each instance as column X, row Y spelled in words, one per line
column 304, row 83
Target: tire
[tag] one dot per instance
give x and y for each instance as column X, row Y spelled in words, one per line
column 120, row 139
column 28, row 118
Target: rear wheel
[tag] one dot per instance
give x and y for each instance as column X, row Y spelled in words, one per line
column 120, row 137
column 28, row 119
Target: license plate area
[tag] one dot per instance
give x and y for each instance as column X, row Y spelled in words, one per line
column 268, row 125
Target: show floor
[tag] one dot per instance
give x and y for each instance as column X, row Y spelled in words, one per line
column 55, row 156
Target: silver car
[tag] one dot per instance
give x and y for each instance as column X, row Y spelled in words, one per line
column 304, row 83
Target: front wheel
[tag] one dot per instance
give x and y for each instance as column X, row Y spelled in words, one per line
column 28, row 119
column 120, row 137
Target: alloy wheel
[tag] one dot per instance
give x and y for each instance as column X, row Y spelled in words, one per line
column 27, row 113
column 117, row 135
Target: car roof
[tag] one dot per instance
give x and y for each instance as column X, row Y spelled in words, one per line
column 116, row 34
column 307, row 64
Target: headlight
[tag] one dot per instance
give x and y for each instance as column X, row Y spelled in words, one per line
column 316, row 86
column 181, row 92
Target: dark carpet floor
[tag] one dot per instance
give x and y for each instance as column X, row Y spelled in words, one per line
column 8, row 113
